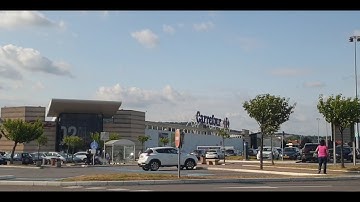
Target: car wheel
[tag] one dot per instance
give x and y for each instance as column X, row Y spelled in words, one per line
column 145, row 167
column 154, row 165
column 189, row 164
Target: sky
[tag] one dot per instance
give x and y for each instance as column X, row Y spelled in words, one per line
column 171, row 64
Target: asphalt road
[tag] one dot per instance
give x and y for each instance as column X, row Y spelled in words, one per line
column 53, row 173
column 313, row 186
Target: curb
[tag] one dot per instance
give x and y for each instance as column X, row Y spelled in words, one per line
column 6, row 177
column 165, row 182
column 31, row 167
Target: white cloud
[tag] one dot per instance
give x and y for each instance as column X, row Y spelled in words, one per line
column 20, row 19
column 15, row 60
column 168, row 29
column 146, row 38
column 289, row 72
column 136, row 97
column 38, row 85
column 248, row 44
column 62, row 25
column 314, row 84
column 181, row 25
column 204, row 26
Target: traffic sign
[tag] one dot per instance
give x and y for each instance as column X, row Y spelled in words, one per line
column 94, row 145
column 104, row 136
column 177, row 138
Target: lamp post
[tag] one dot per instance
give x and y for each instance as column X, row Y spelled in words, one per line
column 355, row 39
column 318, row 134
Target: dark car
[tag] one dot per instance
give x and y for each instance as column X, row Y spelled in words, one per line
column 291, row 153
column 3, row 161
column 252, row 152
column 347, row 153
column 198, row 153
column 24, row 158
column 308, row 151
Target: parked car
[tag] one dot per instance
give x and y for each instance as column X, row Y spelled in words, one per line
column 24, row 158
column 307, row 152
column 56, row 155
column 291, row 153
column 40, row 156
column 214, row 154
column 267, row 153
column 3, row 161
column 198, row 153
column 230, row 152
column 347, row 153
column 252, row 152
column 156, row 157
column 81, row 155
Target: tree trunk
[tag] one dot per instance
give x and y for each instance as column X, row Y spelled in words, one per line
column 261, row 150
column 223, row 148
column 38, row 157
column 341, row 148
column 271, row 148
column 12, row 153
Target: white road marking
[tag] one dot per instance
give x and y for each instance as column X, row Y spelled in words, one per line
column 264, row 171
column 254, row 187
column 96, row 188
column 142, row 190
column 117, row 189
column 74, row 187
column 309, row 186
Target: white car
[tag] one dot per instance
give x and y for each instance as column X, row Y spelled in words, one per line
column 214, row 154
column 156, row 157
column 267, row 153
column 56, row 155
column 81, row 155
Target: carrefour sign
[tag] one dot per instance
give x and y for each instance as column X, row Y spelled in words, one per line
column 211, row 120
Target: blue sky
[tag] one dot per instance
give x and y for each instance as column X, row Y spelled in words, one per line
column 173, row 63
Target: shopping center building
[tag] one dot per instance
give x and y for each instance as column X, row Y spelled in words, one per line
column 65, row 117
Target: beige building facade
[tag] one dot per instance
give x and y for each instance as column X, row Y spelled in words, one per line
column 70, row 118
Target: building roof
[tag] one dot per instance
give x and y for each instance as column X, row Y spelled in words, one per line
column 58, row 106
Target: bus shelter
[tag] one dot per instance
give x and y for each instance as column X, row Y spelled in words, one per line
column 120, row 151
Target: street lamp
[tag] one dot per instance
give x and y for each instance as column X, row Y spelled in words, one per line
column 318, row 119
column 355, row 39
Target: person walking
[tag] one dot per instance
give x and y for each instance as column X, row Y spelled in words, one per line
column 322, row 153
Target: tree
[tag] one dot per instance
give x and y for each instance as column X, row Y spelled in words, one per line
column 224, row 134
column 305, row 140
column 164, row 141
column 142, row 139
column 72, row 142
column 341, row 112
column 114, row 136
column 41, row 141
column 269, row 112
column 21, row 131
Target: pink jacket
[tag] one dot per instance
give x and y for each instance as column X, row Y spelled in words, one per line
column 322, row 151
